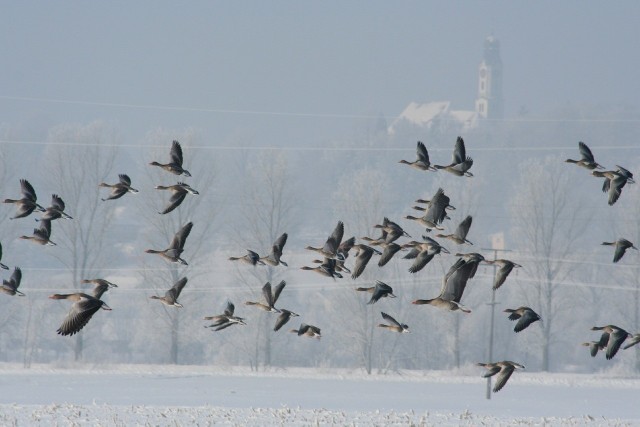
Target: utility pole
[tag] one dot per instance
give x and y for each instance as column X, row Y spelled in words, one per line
column 493, row 304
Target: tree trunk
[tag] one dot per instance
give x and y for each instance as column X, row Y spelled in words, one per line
column 175, row 324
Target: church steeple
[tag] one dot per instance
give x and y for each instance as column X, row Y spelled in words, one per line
column 489, row 101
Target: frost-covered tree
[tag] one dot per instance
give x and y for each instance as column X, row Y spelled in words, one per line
column 548, row 222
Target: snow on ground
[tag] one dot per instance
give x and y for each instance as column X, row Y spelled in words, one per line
column 200, row 395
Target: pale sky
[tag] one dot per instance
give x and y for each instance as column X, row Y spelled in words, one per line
column 221, row 61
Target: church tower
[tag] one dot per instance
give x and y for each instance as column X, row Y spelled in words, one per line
column 489, row 102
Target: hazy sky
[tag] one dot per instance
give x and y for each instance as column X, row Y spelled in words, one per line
column 335, row 58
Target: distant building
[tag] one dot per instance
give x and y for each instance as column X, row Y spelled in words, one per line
column 489, row 103
column 439, row 114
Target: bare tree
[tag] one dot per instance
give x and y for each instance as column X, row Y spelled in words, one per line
column 158, row 229
column 77, row 160
column 360, row 202
column 268, row 210
column 548, row 222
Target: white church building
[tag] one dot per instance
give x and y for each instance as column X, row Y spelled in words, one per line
column 489, row 102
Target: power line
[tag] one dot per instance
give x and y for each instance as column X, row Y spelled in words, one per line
column 309, row 149
column 290, row 113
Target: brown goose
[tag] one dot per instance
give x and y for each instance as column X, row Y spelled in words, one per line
column 595, row 346
column 612, row 337
column 504, row 268
column 178, row 193
column 285, row 316
column 621, row 246
column 435, row 212
column 327, row 268
column 4, row 267
column 270, row 297
column 614, row 182
column 504, row 370
column 422, row 162
column 393, row 325
column 380, row 290
column 460, row 163
column 330, row 248
column 524, row 315
column 55, row 210
column 42, row 234
column 273, row 258
column 175, row 165
column 170, row 297
column 120, row 188
column 459, row 236
column 10, row 287
column 226, row 319
column 336, row 265
column 423, row 252
column 27, row 203
column 586, row 158
column 363, row 255
column 83, row 308
column 251, row 258
column 101, row 286
column 390, row 249
column 308, row 331
column 453, row 286
column 175, row 249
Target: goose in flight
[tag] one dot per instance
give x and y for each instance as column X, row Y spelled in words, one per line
column 504, row 268
column 330, row 248
column 42, row 234
column 170, row 297
column 459, row 236
column 274, row 258
column 422, row 161
column 423, row 252
column 460, row 163
column 504, row 370
column 621, row 246
column 363, row 255
column 175, row 165
column 100, row 286
column 178, row 193
column 524, row 315
column 612, row 338
column 328, row 267
column 10, row 287
column 435, row 212
column 55, row 210
column 226, row 319
column 270, row 297
column 83, row 308
column 393, row 324
column 175, row 249
column 307, row 331
column 251, row 258
column 28, row 202
column 587, row 160
column 614, row 182
column 119, row 189
column 453, row 286
column 285, row 316
column 380, row 290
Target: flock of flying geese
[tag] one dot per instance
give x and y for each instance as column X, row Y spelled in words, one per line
column 334, row 254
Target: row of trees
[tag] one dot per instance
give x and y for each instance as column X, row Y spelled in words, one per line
column 554, row 219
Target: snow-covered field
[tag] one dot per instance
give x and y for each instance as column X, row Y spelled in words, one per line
column 197, row 395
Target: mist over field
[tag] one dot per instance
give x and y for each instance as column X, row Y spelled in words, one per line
column 293, row 117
